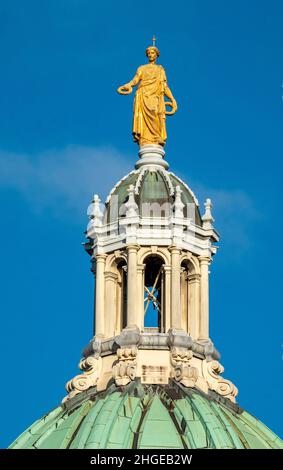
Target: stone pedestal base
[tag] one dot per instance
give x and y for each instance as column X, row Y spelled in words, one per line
column 131, row 356
column 151, row 155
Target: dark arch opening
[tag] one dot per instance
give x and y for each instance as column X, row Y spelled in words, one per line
column 153, row 293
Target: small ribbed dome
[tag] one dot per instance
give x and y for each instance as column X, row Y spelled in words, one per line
column 153, row 186
column 144, row 417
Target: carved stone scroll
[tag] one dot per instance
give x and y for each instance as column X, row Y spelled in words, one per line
column 183, row 372
column 211, row 372
column 125, row 370
column 91, row 367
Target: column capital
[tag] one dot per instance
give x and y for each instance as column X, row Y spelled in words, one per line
column 140, row 268
column 100, row 257
column 132, row 247
column 204, row 260
column 167, row 268
column 109, row 275
column 174, row 249
column 194, row 277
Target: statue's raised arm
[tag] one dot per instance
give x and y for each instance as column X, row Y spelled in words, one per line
column 149, row 105
column 128, row 87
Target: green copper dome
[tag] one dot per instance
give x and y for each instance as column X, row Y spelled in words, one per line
column 154, row 186
column 148, row 417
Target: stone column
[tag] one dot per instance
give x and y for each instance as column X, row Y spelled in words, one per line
column 184, row 298
column 204, row 298
column 99, row 296
column 193, row 305
column 110, row 303
column 132, row 310
column 175, row 288
column 118, row 319
column 167, row 298
column 140, row 296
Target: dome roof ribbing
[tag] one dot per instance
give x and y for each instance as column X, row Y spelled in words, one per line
column 154, row 186
column 143, row 417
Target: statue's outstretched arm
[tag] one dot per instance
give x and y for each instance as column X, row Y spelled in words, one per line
column 168, row 93
column 128, row 87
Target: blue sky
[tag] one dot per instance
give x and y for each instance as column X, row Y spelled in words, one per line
column 65, row 134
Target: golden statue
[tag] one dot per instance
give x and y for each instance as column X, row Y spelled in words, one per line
column 149, row 105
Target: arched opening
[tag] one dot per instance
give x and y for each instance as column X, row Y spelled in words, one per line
column 153, row 294
column 122, row 295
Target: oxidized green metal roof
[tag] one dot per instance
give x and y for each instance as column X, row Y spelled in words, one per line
column 122, row 187
column 154, row 188
column 148, row 417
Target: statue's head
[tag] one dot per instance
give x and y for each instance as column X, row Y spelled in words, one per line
column 152, row 53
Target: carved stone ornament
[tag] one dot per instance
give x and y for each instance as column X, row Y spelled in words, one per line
column 92, row 368
column 211, row 371
column 125, row 370
column 183, row 372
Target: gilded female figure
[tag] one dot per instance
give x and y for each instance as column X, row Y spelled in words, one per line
column 149, row 105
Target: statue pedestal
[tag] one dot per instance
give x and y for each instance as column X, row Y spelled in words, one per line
column 151, row 155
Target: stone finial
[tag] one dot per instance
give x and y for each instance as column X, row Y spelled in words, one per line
column 131, row 205
column 207, row 216
column 94, row 211
column 178, row 205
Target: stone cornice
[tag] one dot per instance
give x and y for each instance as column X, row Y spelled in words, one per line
column 146, row 231
column 158, row 341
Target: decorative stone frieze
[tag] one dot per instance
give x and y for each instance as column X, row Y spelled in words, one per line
column 125, row 370
column 211, row 372
column 183, row 372
column 91, row 367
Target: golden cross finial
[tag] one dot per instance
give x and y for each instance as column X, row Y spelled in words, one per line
column 154, row 41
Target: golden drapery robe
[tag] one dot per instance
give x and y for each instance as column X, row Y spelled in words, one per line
column 149, row 108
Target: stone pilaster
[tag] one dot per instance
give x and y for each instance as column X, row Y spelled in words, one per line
column 110, row 303
column 140, row 296
column 204, row 298
column 167, row 297
column 184, row 298
column 99, row 295
column 194, row 305
column 175, row 288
